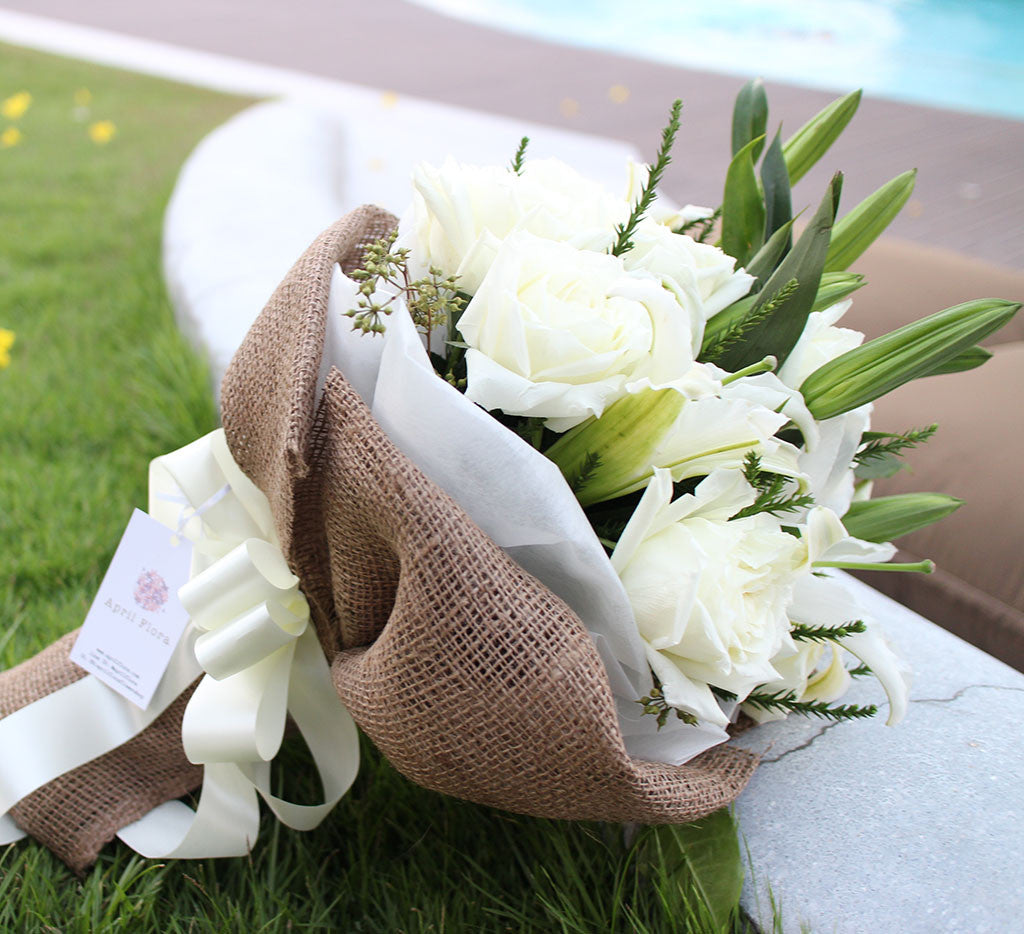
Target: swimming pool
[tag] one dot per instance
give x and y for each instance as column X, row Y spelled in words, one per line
column 956, row 54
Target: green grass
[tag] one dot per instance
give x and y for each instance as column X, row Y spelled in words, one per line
column 99, row 383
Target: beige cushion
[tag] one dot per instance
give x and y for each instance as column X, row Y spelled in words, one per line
column 907, row 281
column 978, row 591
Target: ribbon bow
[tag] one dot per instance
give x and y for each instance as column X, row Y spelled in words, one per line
column 250, row 639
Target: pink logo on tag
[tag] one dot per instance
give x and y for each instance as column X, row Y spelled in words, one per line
column 151, row 591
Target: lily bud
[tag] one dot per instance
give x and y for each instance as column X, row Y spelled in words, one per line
column 888, row 517
column 863, row 374
column 609, row 456
column 616, row 454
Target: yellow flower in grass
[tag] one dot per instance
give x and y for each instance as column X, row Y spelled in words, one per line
column 102, row 132
column 10, row 137
column 16, row 105
column 6, row 341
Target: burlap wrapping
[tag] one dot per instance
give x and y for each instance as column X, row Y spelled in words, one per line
column 83, row 809
column 471, row 677
column 468, row 674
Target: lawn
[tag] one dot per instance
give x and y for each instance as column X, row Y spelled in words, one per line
column 99, row 383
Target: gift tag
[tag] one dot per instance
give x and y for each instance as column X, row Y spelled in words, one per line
column 136, row 621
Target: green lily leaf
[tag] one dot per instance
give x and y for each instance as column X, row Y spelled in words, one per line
column 697, row 863
column 742, row 206
column 808, row 144
column 968, row 359
column 888, row 517
column 834, row 287
column 917, row 349
column 779, row 330
column 766, row 260
column 775, row 182
column 855, row 232
column 749, row 117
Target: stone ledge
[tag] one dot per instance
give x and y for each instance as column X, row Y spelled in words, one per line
column 917, row 828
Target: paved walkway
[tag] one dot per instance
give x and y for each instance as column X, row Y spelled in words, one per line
column 970, row 194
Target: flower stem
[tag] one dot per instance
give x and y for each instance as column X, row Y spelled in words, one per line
column 920, row 567
column 767, row 365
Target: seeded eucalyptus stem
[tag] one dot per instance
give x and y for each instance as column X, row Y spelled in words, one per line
column 655, row 705
column 433, row 300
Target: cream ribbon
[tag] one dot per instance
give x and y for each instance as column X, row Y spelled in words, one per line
column 250, row 634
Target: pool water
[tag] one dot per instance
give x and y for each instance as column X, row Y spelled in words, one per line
column 956, row 54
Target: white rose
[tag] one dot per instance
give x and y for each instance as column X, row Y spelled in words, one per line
column 560, row 333
column 697, row 269
column 461, row 213
column 710, row 595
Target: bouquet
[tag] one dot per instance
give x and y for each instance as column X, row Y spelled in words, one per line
column 578, row 509
column 701, row 403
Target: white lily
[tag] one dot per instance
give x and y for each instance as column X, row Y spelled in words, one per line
column 800, row 673
column 718, row 432
column 766, row 389
column 820, row 342
column 822, row 599
column 691, row 427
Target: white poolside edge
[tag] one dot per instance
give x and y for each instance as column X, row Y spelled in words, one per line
column 160, row 59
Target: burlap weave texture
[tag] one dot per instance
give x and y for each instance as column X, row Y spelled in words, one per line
column 471, row 676
column 76, row 814
column 468, row 674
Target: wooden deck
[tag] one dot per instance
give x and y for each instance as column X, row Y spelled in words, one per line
column 970, row 191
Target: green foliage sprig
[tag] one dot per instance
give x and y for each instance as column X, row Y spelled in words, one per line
column 787, row 701
column 827, row 633
column 520, row 157
column 717, row 343
column 772, row 497
column 879, row 445
column 701, row 228
column 432, row 300
column 624, row 232
column 588, row 467
column 784, row 700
